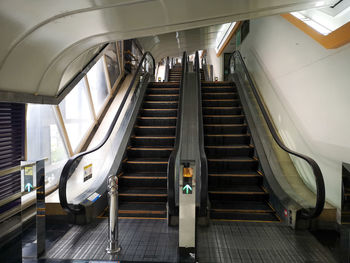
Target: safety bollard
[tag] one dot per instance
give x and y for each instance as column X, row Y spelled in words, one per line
column 113, row 246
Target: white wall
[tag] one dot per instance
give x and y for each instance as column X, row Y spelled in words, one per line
column 307, row 90
column 217, row 62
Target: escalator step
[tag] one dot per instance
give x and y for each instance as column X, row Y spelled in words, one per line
column 225, row 128
column 162, row 141
column 143, row 209
column 226, row 139
column 159, row 112
column 149, row 152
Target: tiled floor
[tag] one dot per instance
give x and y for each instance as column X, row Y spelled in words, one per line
column 154, row 241
column 258, row 242
column 141, row 240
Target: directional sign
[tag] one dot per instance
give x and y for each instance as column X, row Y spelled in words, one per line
column 28, row 187
column 187, row 189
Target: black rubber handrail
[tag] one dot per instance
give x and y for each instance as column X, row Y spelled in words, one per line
column 66, row 172
column 172, row 157
column 320, row 200
column 203, row 157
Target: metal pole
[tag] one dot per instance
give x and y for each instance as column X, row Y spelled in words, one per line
column 113, row 246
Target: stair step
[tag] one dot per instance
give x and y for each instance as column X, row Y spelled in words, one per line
column 243, row 206
column 172, row 90
column 142, row 209
column 238, row 193
column 145, row 165
column 160, row 104
column 220, row 103
column 219, row 95
column 144, row 180
column 222, row 110
column 156, row 121
column 162, row 97
column 147, row 141
column 225, row 128
column 219, row 151
column 206, row 89
column 155, row 130
column 239, row 216
column 232, row 164
column 138, row 194
column 226, row 139
column 159, row 112
column 223, row 119
column 234, row 178
column 149, row 152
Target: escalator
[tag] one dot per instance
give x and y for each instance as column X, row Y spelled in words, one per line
column 175, row 73
column 143, row 179
column 235, row 181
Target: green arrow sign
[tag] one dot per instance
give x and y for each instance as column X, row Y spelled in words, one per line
column 28, row 187
column 187, row 188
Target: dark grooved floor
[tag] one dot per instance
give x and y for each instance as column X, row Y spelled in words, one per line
column 153, row 241
column 258, row 242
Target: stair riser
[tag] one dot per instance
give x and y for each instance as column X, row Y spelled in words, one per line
column 223, row 120
column 143, row 215
column 216, row 181
column 142, row 198
column 225, row 129
column 151, row 142
column 156, row 122
column 234, row 111
column 149, row 153
column 226, row 140
column 238, row 197
column 159, row 113
column 218, row 90
column 162, row 98
column 218, row 96
column 145, row 167
column 224, row 152
column 243, row 216
column 162, row 105
column 162, row 91
column 220, row 103
column 214, row 167
column 154, row 131
column 143, row 182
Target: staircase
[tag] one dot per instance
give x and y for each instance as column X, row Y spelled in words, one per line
column 143, row 180
column 235, row 182
column 175, row 73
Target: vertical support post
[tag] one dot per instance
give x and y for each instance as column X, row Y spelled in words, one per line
column 40, row 207
column 36, row 248
column 187, row 212
column 112, row 184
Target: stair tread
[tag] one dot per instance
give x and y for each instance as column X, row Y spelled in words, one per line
column 144, row 176
column 143, row 191
column 154, row 137
column 147, row 160
column 236, row 174
column 233, row 159
column 237, row 189
column 244, row 206
column 153, row 148
column 142, row 206
column 233, row 146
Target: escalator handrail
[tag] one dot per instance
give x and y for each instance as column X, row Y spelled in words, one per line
column 172, row 157
column 203, row 157
column 65, row 174
column 320, row 188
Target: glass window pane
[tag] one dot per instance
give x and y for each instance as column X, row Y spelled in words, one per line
column 45, row 141
column 98, row 85
column 112, row 64
column 76, row 113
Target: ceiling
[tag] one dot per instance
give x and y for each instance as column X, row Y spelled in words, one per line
column 42, row 39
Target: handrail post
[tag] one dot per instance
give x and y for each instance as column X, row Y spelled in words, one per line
column 113, row 245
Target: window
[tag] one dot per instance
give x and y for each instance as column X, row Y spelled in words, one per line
column 112, row 64
column 98, row 85
column 77, row 114
column 45, row 141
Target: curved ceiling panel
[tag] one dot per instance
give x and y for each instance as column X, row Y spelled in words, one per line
column 41, row 38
